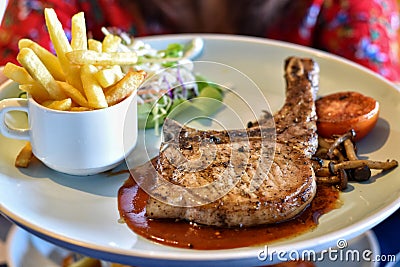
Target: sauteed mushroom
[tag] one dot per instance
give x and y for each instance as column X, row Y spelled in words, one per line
column 372, row 164
column 337, row 162
column 340, row 180
column 358, row 174
column 338, row 141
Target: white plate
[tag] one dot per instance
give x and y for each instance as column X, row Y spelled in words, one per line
column 80, row 213
column 26, row 250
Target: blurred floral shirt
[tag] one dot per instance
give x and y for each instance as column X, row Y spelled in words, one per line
column 364, row 31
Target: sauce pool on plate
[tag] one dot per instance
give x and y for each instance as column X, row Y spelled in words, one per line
column 183, row 234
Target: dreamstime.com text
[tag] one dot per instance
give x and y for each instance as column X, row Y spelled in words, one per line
column 339, row 253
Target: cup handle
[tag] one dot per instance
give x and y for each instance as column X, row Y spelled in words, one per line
column 7, row 105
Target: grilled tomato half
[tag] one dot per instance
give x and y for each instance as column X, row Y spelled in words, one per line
column 340, row 112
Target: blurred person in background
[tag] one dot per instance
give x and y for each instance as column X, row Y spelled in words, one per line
column 363, row 31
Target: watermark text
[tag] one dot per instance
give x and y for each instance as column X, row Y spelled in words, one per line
column 339, row 253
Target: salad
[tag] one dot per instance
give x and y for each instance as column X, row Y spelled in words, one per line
column 171, row 81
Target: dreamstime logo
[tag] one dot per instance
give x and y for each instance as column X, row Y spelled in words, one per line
column 341, row 252
column 187, row 153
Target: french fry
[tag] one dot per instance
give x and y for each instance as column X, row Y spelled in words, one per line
column 24, row 157
column 73, row 93
column 36, row 91
column 26, row 82
column 48, row 59
column 124, row 87
column 62, row 46
column 95, row 45
column 84, row 262
column 58, row 37
column 109, row 76
column 74, row 77
column 35, row 67
column 17, row 74
column 78, row 32
column 78, row 109
column 93, row 91
column 63, row 105
column 111, row 43
column 78, row 42
column 81, row 57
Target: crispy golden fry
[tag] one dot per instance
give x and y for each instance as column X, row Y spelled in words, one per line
column 24, row 157
column 95, row 45
column 36, row 91
column 77, row 109
column 125, row 87
column 62, row 46
column 26, row 82
column 78, row 42
column 35, row 67
column 48, row 59
column 73, row 93
column 63, row 105
column 74, row 77
column 93, row 91
column 111, row 43
column 82, row 57
column 78, row 32
column 109, row 76
column 83, row 262
column 58, row 37
column 17, row 74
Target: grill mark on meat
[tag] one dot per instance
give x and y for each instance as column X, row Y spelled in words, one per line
column 261, row 191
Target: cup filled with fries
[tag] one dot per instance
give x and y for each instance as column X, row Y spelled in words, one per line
column 79, row 101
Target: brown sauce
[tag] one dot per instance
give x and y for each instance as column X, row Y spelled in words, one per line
column 184, row 234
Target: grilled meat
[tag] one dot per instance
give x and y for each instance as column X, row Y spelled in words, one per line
column 244, row 177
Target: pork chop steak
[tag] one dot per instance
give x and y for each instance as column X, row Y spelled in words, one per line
column 258, row 175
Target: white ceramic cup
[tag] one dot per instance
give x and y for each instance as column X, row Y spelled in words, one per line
column 76, row 143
